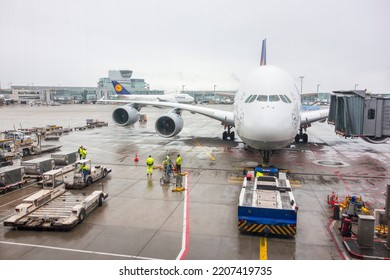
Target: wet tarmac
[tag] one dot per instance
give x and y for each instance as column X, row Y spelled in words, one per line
column 142, row 219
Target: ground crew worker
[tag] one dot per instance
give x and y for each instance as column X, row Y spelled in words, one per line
column 178, row 164
column 84, row 155
column 84, row 170
column 81, row 149
column 149, row 163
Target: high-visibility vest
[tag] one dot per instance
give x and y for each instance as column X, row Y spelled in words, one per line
column 149, row 161
column 82, row 168
column 178, row 160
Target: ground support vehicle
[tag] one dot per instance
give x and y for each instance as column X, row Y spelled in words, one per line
column 91, row 123
column 54, row 207
column 26, row 145
column 11, row 177
column 267, row 205
column 52, row 135
column 7, row 152
column 94, row 173
column 35, row 168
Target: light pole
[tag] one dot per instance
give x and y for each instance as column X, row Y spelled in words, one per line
column 318, row 86
column 214, row 87
column 301, row 77
column 182, row 88
column 356, row 86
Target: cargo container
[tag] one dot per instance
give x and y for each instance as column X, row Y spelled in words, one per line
column 11, row 177
column 35, row 168
column 62, row 159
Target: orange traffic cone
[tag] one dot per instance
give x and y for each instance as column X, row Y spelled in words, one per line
column 136, row 158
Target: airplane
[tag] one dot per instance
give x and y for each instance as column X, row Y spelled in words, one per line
column 266, row 112
column 123, row 93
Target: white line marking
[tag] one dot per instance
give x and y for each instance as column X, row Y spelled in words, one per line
column 75, row 250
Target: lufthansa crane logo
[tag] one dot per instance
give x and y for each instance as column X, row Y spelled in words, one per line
column 118, row 88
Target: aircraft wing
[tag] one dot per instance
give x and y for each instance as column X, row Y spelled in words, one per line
column 226, row 117
column 307, row 117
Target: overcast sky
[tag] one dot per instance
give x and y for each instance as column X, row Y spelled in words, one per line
column 199, row 44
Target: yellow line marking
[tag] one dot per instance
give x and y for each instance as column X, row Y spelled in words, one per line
column 204, row 150
column 263, row 248
column 296, row 183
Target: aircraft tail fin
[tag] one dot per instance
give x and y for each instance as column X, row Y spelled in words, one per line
column 119, row 89
column 263, row 59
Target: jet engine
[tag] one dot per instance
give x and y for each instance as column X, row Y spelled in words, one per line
column 375, row 140
column 169, row 125
column 125, row 115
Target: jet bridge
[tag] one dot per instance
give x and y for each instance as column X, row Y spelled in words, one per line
column 357, row 113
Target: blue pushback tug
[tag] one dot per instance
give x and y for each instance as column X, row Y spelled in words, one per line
column 266, row 204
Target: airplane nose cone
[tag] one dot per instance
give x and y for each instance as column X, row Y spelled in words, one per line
column 270, row 129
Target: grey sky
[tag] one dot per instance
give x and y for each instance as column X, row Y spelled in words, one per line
column 195, row 43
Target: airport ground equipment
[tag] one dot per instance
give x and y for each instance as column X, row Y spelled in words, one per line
column 34, row 168
column 358, row 113
column 167, row 173
column 7, row 152
column 29, row 143
column 267, row 205
column 353, row 206
column 91, row 123
column 54, row 207
column 10, row 177
column 63, row 159
column 95, row 172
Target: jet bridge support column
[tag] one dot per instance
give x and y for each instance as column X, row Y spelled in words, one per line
column 387, row 213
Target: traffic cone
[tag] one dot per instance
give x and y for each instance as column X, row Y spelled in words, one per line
column 136, row 158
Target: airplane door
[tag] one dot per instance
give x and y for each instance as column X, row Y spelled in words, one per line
column 371, row 117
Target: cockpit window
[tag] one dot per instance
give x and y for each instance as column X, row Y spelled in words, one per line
column 262, row 98
column 283, row 98
column 249, row 97
column 252, row 99
column 288, row 99
column 273, row 98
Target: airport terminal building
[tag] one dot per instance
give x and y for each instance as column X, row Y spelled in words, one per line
column 30, row 94
column 68, row 95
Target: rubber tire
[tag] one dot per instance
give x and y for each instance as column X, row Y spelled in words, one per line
column 305, row 138
column 101, row 198
column 105, row 173
column 231, row 136
column 297, row 138
column 26, row 152
column 82, row 216
column 224, row 135
column 89, row 181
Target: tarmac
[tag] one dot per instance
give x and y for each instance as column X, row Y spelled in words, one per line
column 143, row 219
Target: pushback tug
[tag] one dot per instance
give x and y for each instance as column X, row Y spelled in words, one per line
column 266, row 204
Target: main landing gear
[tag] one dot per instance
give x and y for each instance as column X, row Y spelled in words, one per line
column 301, row 136
column 228, row 134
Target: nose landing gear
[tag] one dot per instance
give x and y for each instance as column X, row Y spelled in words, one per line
column 228, row 134
column 301, row 136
